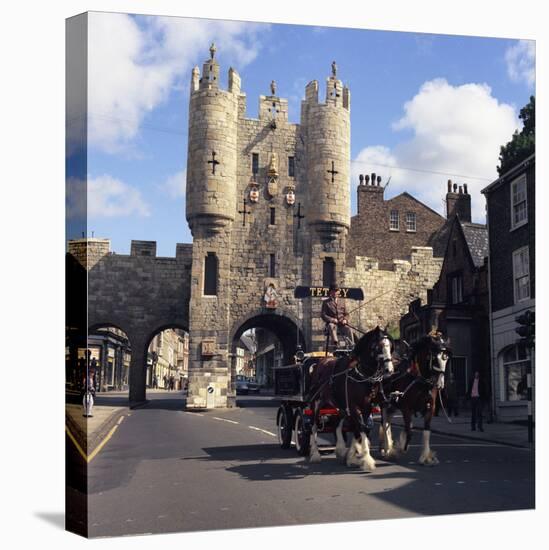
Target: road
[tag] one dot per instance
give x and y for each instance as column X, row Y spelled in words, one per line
column 167, row 470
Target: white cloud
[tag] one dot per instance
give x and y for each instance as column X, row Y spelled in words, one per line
column 135, row 63
column 521, row 62
column 456, row 132
column 175, row 185
column 110, row 197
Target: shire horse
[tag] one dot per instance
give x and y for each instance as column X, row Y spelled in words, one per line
column 350, row 383
column 414, row 388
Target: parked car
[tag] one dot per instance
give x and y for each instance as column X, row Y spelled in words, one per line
column 241, row 385
column 253, row 386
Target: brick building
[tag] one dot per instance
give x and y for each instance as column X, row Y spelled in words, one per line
column 388, row 229
column 511, row 226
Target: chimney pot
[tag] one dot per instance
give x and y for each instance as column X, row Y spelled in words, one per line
column 361, row 179
column 366, row 179
column 465, row 188
column 455, row 187
column 373, row 178
column 449, row 186
column 460, row 190
column 378, row 180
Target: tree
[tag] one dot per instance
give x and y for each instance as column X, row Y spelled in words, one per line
column 523, row 143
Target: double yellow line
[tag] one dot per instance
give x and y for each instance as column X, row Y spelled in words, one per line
column 89, row 458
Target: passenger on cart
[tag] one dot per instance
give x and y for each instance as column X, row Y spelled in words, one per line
column 334, row 314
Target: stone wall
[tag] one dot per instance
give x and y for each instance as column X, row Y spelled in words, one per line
column 389, row 292
column 140, row 294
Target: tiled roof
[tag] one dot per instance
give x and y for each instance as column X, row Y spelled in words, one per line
column 476, row 236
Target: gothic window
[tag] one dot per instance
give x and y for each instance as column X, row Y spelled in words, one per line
column 273, row 216
column 394, row 221
column 519, row 212
column 411, row 222
column 521, row 274
column 272, row 265
column 210, row 274
column 328, row 272
column 255, row 163
column 291, row 167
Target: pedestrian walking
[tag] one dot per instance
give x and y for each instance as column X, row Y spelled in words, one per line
column 477, row 394
column 155, row 382
column 172, row 382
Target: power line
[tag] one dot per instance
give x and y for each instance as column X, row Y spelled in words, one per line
column 420, row 170
column 361, row 162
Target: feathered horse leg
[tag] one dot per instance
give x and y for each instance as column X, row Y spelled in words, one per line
column 314, row 454
column 428, row 457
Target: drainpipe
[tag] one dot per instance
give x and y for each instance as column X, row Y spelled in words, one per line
column 491, row 324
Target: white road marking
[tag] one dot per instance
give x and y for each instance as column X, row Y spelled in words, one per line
column 192, row 414
column 225, row 420
column 260, row 430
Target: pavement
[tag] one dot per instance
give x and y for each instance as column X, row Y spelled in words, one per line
column 504, row 433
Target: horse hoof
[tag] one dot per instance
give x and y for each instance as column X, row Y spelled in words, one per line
column 368, row 465
column 315, row 458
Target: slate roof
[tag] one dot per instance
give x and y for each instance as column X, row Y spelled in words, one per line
column 476, row 236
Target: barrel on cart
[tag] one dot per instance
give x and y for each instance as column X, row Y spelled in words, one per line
column 295, row 415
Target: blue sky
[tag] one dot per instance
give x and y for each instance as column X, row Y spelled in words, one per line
column 424, row 108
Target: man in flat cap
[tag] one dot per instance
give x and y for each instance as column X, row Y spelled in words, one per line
column 334, row 314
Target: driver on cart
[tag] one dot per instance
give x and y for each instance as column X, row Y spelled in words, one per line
column 334, row 314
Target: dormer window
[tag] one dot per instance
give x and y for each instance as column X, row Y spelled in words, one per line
column 394, row 221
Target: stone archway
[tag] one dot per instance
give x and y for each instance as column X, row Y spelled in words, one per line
column 287, row 329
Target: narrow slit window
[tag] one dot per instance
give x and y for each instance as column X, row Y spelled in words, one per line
column 272, row 265
column 255, row 163
column 273, row 216
column 291, row 167
column 210, row 275
column 328, row 272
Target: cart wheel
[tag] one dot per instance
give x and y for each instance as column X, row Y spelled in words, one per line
column 284, row 426
column 302, row 436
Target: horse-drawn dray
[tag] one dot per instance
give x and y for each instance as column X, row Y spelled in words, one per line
column 336, row 393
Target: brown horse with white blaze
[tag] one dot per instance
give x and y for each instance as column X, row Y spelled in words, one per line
column 414, row 388
column 351, row 384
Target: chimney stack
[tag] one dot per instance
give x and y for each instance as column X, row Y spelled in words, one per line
column 458, row 202
column 369, row 195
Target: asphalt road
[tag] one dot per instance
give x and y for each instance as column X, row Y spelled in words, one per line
column 167, row 470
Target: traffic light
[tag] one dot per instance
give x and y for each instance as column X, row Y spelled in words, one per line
column 527, row 327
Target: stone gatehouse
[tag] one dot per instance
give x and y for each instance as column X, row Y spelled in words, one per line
column 268, row 205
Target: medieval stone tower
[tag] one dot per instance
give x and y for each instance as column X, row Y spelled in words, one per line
column 268, row 204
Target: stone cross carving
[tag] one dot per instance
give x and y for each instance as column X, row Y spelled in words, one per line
column 332, row 171
column 213, row 162
column 273, row 87
column 244, row 212
column 298, row 215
